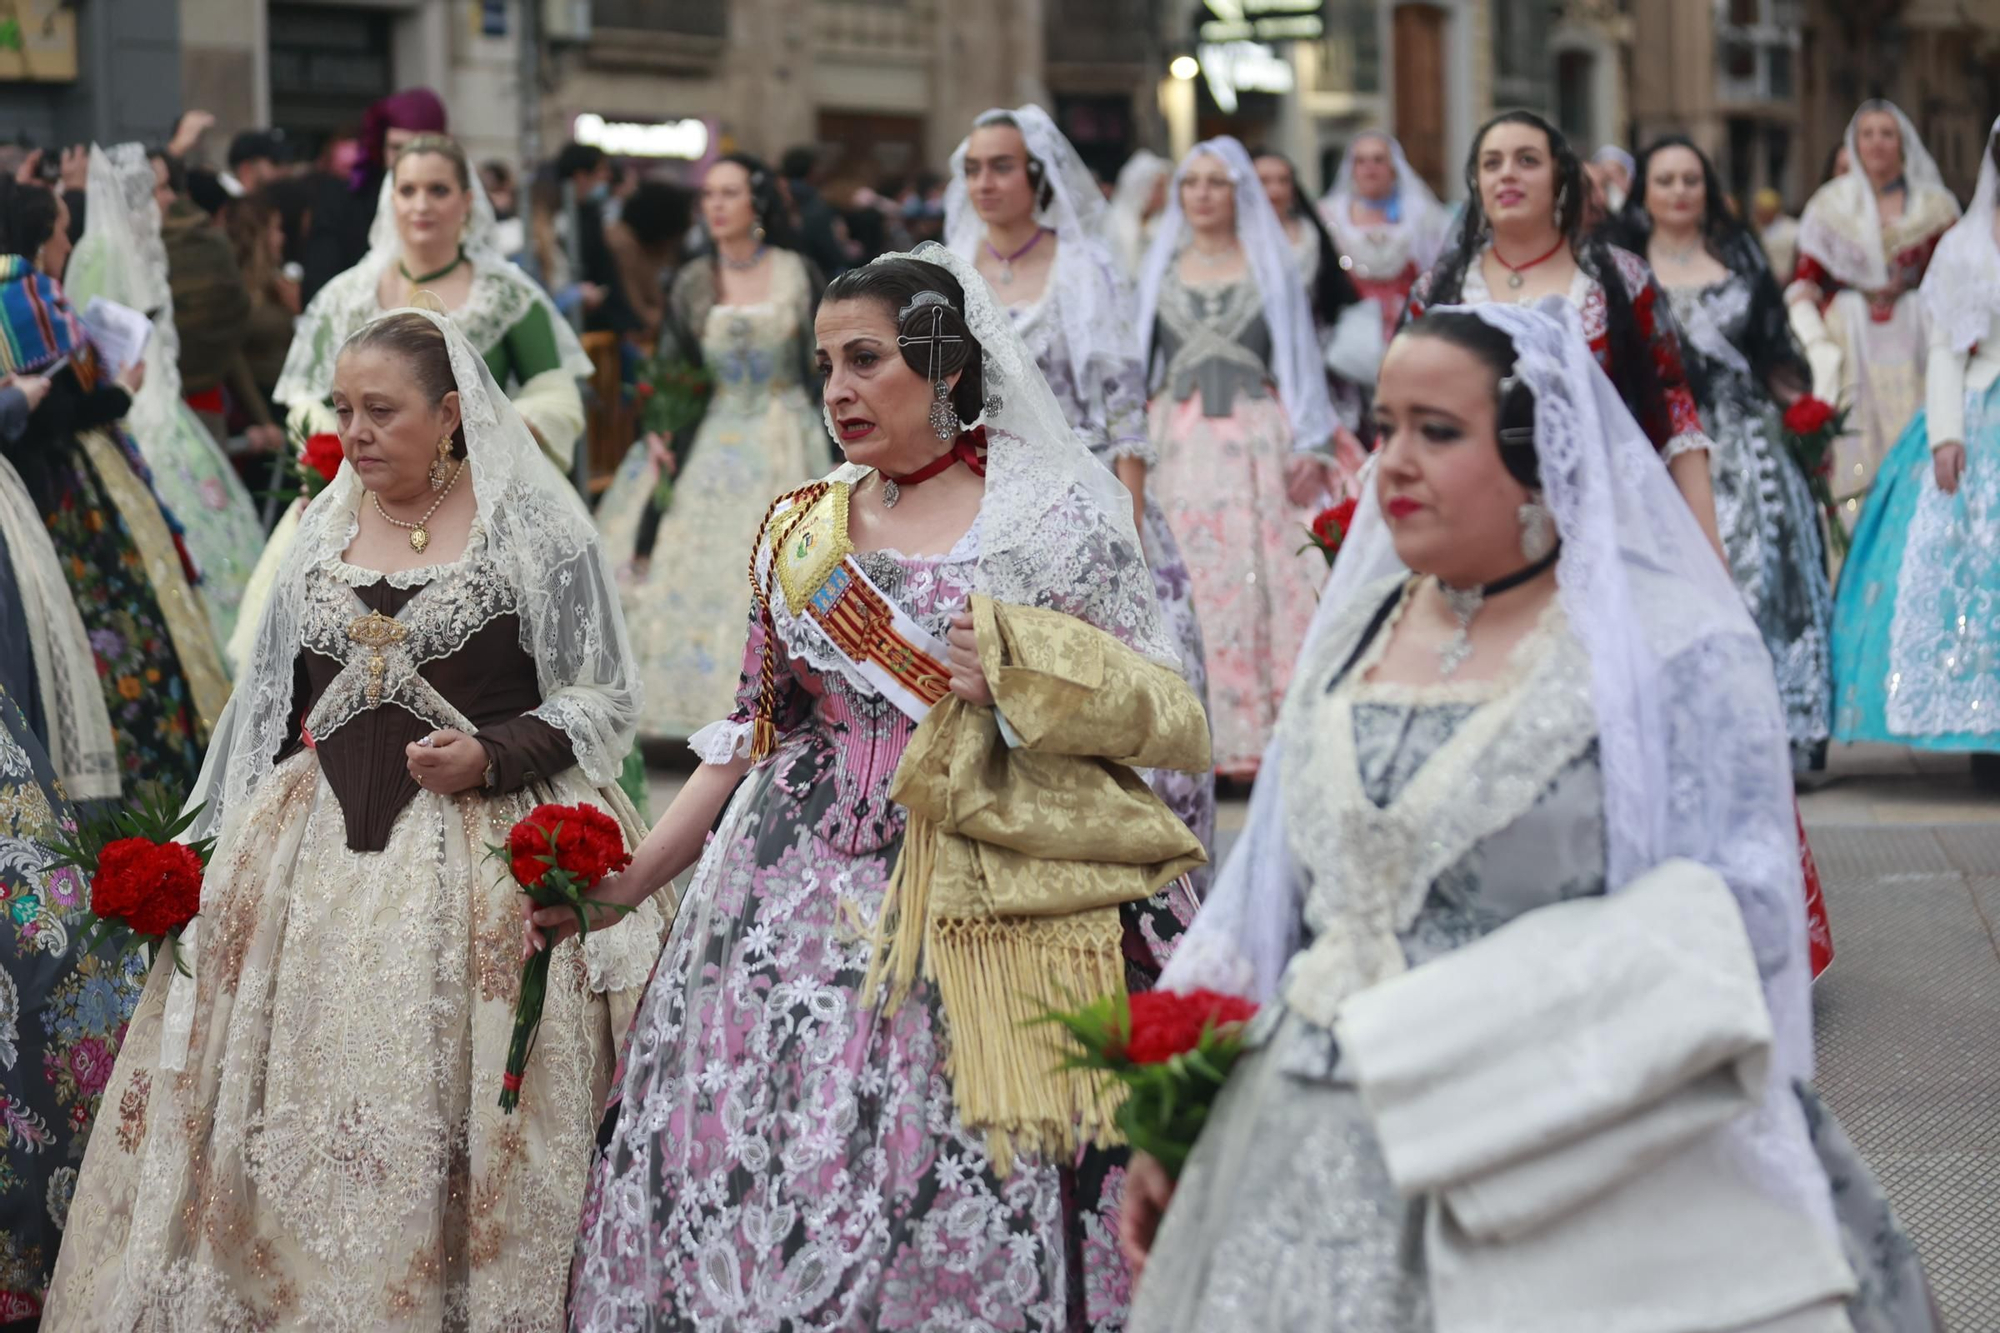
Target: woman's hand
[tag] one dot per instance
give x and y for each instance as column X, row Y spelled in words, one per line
column 968, row 678
column 34, row 388
column 132, row 378
column 1306, row 480
column 546, row 927
column 659, row 448
column 447, row 762
column 1147, row 1191
column 1948, row 461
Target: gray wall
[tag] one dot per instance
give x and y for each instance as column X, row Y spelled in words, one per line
column 128, row 82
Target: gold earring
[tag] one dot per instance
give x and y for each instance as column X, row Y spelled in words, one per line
column 438, row 474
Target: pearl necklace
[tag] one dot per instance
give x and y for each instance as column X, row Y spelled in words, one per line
column 420, row 535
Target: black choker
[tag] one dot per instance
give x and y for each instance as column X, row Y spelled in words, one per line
column 1465, row 604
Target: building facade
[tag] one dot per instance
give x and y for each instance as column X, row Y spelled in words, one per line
column 92, row 70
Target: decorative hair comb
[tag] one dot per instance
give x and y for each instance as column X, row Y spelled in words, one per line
column 922, row 299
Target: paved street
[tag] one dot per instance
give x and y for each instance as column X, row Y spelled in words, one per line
column 1909, row 1014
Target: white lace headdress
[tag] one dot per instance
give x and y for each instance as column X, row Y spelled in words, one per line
column 1961, row 288
column 540, row 539
column 1842, row 225
column 1091, row 302
column 1125, row 217
column 1691, row 738
column 122, row 257
column 1295, row 351
column 1419, row 215
column 1055, row 525
column 348, row 302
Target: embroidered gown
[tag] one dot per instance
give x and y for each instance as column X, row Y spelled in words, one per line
column 1285, row 1219
column 333, row 1155
column 62, row 1016
column 762, row 435
column 1224, row 441
column 1112, row 418
column 156, row 655
column 1769, row 523
column 786, row 1156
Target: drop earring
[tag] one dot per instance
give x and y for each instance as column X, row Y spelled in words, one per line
column 944, row 417
column 1538, row 530
column 438, row 473
column 1562, row 202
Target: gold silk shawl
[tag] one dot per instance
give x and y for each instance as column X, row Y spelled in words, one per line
column 1015, row 860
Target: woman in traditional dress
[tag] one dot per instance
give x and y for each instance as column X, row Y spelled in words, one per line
column 307, row 1131
column 1137, row 201
column 1521, row 239
column 1916, row 633
column 1350, row 334
column 1744, row 368
column 433, row 233
column 1865, row 239
column 1518, row 897
column 122, row 258
column 1023, row 210
column 63, row 1011
column 744, row 311
column 157, row 664
column 1243, row 430
column 1385, row 220
column 792, row 1149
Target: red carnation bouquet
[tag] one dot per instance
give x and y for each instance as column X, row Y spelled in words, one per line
column 1171, row 1051
column 1811, row 427
column 1330, row 528
column 145, row 884
column 557, row 854
column 315, row 461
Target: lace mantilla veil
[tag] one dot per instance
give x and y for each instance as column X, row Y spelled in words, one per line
column 1090, row 300
column 1418, row 212
column 1054, row 526
column 1295, row 351
column 1961, row 288
column 349, row 302
column 1842, row 227
column 1691, row 738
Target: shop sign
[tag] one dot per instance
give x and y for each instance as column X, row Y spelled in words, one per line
column 38, row 42
column 1242, row 67
column 686, row 140
column 1262, row 21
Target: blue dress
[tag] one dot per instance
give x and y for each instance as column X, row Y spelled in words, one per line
column 1916, row 624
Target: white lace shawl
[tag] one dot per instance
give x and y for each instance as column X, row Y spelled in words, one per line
column 1095, row 307
column 1691, row 739
column 541, row 540
column 1961, row 288
column 1423, row 226
column 1842, row 225
column 501, row 294
column 1295, row 352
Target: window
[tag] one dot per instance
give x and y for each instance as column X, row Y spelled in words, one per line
column 1756, row 50
column 1350, row 54
column 1575, row 80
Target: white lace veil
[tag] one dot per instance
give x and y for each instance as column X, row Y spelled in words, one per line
column 1414, row 209
column 1295, row 350
column 122, row 257
column 1055, row 525
column 349, row 302
column 1085, row 285
column 1691, row 739
column 536, row 530
column 1842, row 226
column 1961, row 288
column 1125, row 217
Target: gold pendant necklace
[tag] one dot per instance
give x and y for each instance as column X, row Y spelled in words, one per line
column 420, row 536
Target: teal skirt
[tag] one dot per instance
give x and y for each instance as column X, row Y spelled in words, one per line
column 1916, row 622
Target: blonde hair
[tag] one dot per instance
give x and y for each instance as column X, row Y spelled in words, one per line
column 444, row 146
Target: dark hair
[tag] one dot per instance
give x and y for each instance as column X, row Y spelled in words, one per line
column 1038, row 171
column 766, row 200
column 1768, row 343
column 893, row 284
column 1514, row 407
column 420, row 346
column 1332, row 290
column 498, row 171
column 659, row 213
column 577, row 158
column 27, row 217
column 1631, row 356
column 257, row 146
column 797, row 164
column 1832, row 156
column 177, row 176
column 437, row 145
column 207, row 191
column 292, row 198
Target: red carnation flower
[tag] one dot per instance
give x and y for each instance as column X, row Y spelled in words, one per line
column 1807, row 415
column 584, row 841
column 1331, row 525
column 153, row 887
column 1168, row 1023
column 323, row 454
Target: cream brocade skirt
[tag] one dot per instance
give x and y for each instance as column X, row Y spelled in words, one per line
column 333, row 1156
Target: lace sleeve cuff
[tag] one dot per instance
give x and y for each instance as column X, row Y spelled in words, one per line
column 1133, row 446
column 721, row 742
column 1686, row 442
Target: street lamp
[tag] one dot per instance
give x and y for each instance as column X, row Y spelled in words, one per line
column 1184, row 68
